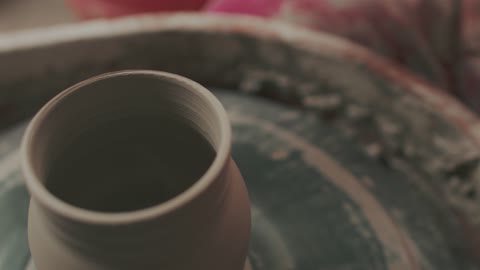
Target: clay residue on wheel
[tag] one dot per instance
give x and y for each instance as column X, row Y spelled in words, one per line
column 397, row 129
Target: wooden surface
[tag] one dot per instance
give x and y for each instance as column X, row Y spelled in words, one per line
column 351, row 163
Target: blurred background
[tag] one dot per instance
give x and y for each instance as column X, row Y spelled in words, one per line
column 22, row 14
column 436, row 39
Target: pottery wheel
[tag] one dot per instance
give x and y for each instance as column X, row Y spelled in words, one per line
column 350, row 163
column 317, row 201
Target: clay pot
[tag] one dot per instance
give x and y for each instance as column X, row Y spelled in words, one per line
column 132, row 170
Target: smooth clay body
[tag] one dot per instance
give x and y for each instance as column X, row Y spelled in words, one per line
column 132, row 170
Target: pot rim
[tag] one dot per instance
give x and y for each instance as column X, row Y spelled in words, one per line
column 41, row 195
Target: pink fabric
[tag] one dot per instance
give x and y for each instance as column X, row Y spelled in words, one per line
column 88, row 9
column 264, row 8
